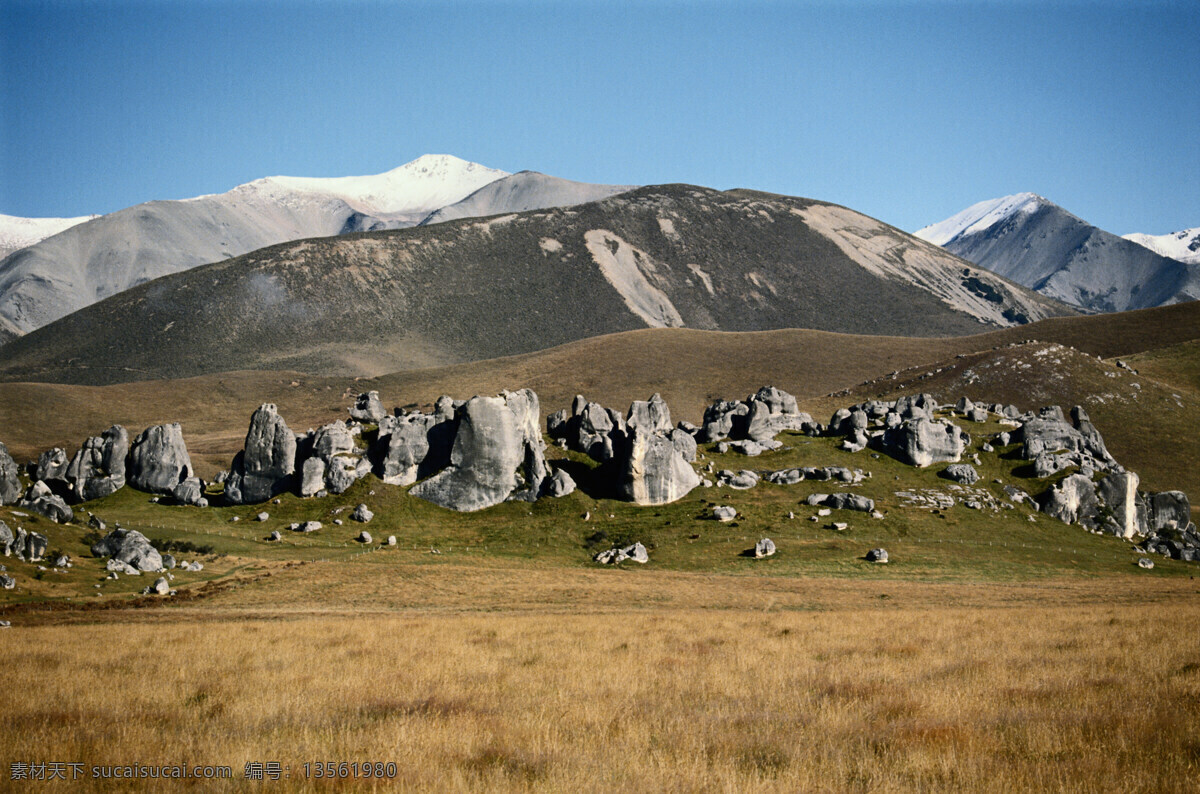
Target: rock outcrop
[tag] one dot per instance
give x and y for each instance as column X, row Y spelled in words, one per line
column 158, row 459
column 922, row 442
column 129, row 547
column 265, row 466
column 98, row 468
column 497, row 454
column 41, row 500
column 760, row 417
column 652, row 471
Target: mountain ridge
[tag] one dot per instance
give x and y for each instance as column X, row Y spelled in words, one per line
column 1034, row 242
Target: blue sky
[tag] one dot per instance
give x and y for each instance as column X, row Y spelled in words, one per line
column 905, row 111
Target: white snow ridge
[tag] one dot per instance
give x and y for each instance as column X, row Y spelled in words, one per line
column 17, row 233
column 979, row 217
column 428, row 183
column 1183, row 246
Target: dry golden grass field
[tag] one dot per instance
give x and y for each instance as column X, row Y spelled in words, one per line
column 643, row 682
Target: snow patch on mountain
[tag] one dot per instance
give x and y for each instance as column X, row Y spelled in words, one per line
column 981, row 216
column 428, row 183
column 1182, row 245
column 17, row 233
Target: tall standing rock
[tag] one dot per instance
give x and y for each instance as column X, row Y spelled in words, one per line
column 267, row 461
column 10, row 478
column 52, row 467
column 158, row 459
column 653, row 472
column 1127, row 512
column 651, row 415
column 368, row 409
column 98, row 468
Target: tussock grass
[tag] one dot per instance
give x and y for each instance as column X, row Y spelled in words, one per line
column 1036, row 697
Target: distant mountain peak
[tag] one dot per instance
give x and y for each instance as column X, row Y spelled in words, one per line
column 427, row 183
column 981, row 216
column 17, row 233
column 1183, row 245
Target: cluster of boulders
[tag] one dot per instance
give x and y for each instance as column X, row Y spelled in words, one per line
column 156, row 462
column 651, row 456
column 635, row 552
column 26, row 546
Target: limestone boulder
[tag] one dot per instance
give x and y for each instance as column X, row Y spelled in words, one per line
column 98, row 468
column 653, row 472
column 1072, row 501
column 368, row 409
column 129, row 547
column 265, row 466
column 41, row 500
column 158, row 459
column 922, row 442
column 10, row 478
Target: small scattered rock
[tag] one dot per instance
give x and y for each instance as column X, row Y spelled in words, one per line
column 764, row 548
column 724, row 513
column 877, row 555
column 362, row 513
column 364, row 537
column 1144, row 562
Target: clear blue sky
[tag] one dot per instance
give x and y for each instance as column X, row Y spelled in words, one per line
column 905, row 111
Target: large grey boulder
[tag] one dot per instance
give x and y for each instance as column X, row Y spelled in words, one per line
column 41, row 500
column 413, row 446
column 35, row 546
column 190, row 492
column 334, row 444
column 1168, row 510
column 760, row 417
column 342, row 471
column 922, row 442
column 1050, row 432
column 653, row 472
column 724, row 513
column 764, row 548
column 7, row 582
column 559, row 484
column 6, row 539
column 265, row 466
column 158, row 459
column 719, row 420
column 685, row 444
column 10, row 478
column 52, row 466
column 589, row 428
column 98, row 468
column 331, row 440
column 650, row 416
column 368, row 409
column 842, row 501
column 362, row 513
column 130, row 547
column 877, row 555
column 1126, row 513
column 1072, row 501
column 312, row 477
column 497, row 454
column 963, row 473
column 18, row 543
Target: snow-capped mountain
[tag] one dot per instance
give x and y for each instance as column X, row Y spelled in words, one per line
column 17, row 233
column 1037, row 243
column 430, row 182
column 979, row 217
column 92, row 260
column 1183, row 245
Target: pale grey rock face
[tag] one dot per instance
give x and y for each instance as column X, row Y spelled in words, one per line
column 341, row 472
column 98, row 468
column 764, row 548
column 961, row 473
column 497, row 453
column 1168, row 509
column 724, row 513
column 719, row 419
column 312, row 477
column 35, row 546
column 362, row 513
column 651, row 415
column 368, row 409
column 1127, row 512
column 189, row 492
column 332, row 439
column 7, row 582
column 684, row 443
column 307, row 526
column 842, row 501
column 653, row 472
column 922, row 442
column 1146, row 562
column 1072, row 501
column 405, row 444
column 52, row 466
column 129, row 547
column 265, row 466
column 10, row 479
column 161, row 586
column 6, row 539
column 364, row 537
column 41, row 500
column 158, row 459
column 168, row 562
column 760, row 417
column 559, row 484
column 1049, row 432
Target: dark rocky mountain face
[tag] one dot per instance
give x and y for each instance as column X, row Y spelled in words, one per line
column 466, row 290
column 1065, row 258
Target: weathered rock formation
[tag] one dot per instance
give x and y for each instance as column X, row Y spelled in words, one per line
column 129, row 547
column 158, row 459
